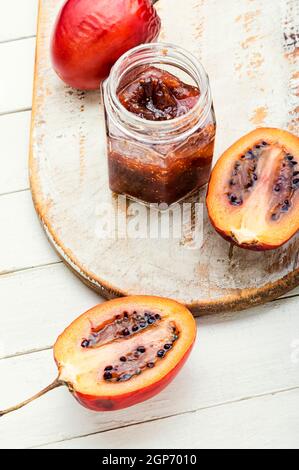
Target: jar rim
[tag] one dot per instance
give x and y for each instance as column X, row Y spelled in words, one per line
column 169, row 54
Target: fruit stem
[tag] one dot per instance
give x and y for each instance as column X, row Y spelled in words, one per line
column 154, row 1
column 55, row 384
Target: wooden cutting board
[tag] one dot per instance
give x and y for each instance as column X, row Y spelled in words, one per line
column 250, row 49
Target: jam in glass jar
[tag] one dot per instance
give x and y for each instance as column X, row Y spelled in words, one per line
column 160, row 124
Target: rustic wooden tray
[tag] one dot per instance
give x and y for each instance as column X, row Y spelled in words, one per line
column 250, row 52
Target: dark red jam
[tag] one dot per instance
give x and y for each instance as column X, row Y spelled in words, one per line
column 157, row 95
column 160, row 173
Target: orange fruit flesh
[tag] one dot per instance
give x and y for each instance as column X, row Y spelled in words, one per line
column 83, row 368
column 261, row 220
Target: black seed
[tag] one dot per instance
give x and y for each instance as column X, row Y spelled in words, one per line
column 151, row 320
column 135, row 328
column 285, row 207
column 167, row 346
column 277, row 188
column 274, row 216
column 123, row 358
column 126, row 314
column 296, row 173
column 238, row 202
column 287, row 202
column 235, row 200
column 264, row 143
column 108, row 368
column 242, row 156
column 296, row 181
column 232, row 183
column 289, row 156
column 142, row 324
column 175, row 337
column 107, row 376
column 254, row 177
column 125, row 377
column 293, row 162
column 141, row 349
column 257, row 146
column 161, row 353
column 249, row 155
column 85, row 343
column 126, row 332
column 157, row 316
column 150, row 365
column 249, row 185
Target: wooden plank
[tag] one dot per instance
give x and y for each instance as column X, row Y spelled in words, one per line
column 17, row 63
column 291, row 293
column 18, row 19
column 239, row 356
column 68, row 151
column 14, row 138
column 250, row 355
column 269, row 422
column 48, row 298
column 22, row 242
column 58, row 298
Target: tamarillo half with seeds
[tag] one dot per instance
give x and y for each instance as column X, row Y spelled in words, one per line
column 122, row 352
column 253, row 193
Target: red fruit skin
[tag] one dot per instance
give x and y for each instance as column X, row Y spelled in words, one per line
column 130, row 399
column 90, row 35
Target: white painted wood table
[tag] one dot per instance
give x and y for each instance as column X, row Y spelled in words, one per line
column 239, row 389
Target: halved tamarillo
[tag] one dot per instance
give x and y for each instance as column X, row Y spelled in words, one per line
column 122, row 352
column 253, row 193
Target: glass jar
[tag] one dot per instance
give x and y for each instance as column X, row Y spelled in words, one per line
column 158, row 161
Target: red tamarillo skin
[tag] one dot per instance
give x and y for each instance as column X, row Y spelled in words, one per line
column 124, row 351
column 130, row 399
column 90, row 35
